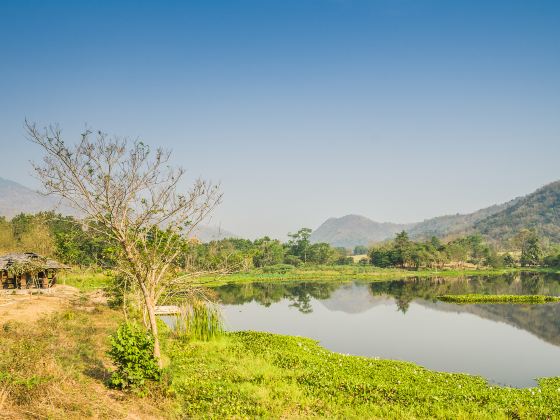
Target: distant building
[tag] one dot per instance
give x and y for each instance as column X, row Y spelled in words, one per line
column 22, row 271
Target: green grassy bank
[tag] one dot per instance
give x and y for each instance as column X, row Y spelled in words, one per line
column 346, row 273
column 90, row 279
column 58, row 368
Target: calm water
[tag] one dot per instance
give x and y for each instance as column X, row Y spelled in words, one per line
column 507, row 344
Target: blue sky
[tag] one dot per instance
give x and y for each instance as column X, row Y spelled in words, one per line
column 399, row 110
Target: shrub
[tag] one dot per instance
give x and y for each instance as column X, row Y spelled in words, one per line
column 278, row 268
column 132, row 352
column 293, row 260
column 552, row 260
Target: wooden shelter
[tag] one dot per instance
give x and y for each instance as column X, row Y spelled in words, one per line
column 22, row 271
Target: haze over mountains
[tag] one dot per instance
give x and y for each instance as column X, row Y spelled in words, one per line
column 17, row 199
column 539, row 210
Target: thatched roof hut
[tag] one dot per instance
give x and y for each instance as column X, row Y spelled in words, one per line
column 28, row 270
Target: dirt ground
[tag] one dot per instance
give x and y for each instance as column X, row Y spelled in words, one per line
column 28, row 305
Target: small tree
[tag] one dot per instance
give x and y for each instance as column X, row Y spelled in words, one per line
column 299, row 243
column 531, row 251
column 129, row 195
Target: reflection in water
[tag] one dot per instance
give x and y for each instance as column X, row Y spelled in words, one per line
column 510, row 344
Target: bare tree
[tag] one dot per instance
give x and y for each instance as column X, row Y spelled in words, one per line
column 130, row 194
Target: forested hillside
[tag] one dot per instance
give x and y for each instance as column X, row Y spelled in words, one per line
column 539, row 211
column 443, row 226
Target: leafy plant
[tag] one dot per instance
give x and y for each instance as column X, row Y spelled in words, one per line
column 132, row 352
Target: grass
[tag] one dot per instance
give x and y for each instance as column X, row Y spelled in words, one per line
column 85, row 280
column 198, row 320
column 57, row 367
column 476, row 298
column 346, row 273
column 91, row 279
column 251, row 375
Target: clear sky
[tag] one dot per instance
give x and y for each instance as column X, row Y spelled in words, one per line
column 399, row 110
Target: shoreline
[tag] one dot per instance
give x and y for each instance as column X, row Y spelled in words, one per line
column 325, row 274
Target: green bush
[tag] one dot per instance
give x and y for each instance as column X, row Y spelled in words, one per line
column 278, row 268
column 132, row 352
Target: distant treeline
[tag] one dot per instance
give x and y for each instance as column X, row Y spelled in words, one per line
column 65, row 238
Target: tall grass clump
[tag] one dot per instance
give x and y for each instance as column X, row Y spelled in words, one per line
column 199, row 320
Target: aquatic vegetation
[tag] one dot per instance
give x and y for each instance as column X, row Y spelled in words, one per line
column 198, row 320
column 251, row 374
column 476, row 298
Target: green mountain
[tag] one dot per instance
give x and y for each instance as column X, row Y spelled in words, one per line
column 539, row 211
column 443, row 226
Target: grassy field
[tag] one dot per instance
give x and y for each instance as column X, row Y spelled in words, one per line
column 57, row 367
column 346, row 273
column 90, row 279
column 85, row 280
column 476, row 298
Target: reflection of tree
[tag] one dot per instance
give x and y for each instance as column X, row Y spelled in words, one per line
column 267, row 293
column 403, row 291
column 541, row 320
column 302, row 302
column 532, row 283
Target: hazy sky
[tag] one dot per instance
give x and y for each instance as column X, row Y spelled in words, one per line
column 399, row 110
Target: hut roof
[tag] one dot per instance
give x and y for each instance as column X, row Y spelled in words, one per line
column 30, row 258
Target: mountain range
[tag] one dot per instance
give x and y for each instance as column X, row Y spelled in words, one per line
column 16, row 199
column 539, row 210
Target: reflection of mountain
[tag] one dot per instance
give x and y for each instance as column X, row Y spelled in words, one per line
column 542, row 321
column 353, row 298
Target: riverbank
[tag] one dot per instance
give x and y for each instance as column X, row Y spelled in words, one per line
column 90, row 279
column 347, row 273
column 57, row 366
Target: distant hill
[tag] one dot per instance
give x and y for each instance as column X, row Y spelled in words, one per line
column 539, row 210
column 206, row 233
column 349, row 231
column 16, row 199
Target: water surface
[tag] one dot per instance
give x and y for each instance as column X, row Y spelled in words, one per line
column 509, row 344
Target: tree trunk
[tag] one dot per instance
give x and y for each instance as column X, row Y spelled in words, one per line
column 151, row 308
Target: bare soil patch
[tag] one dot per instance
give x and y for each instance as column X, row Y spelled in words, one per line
column 30, row 305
